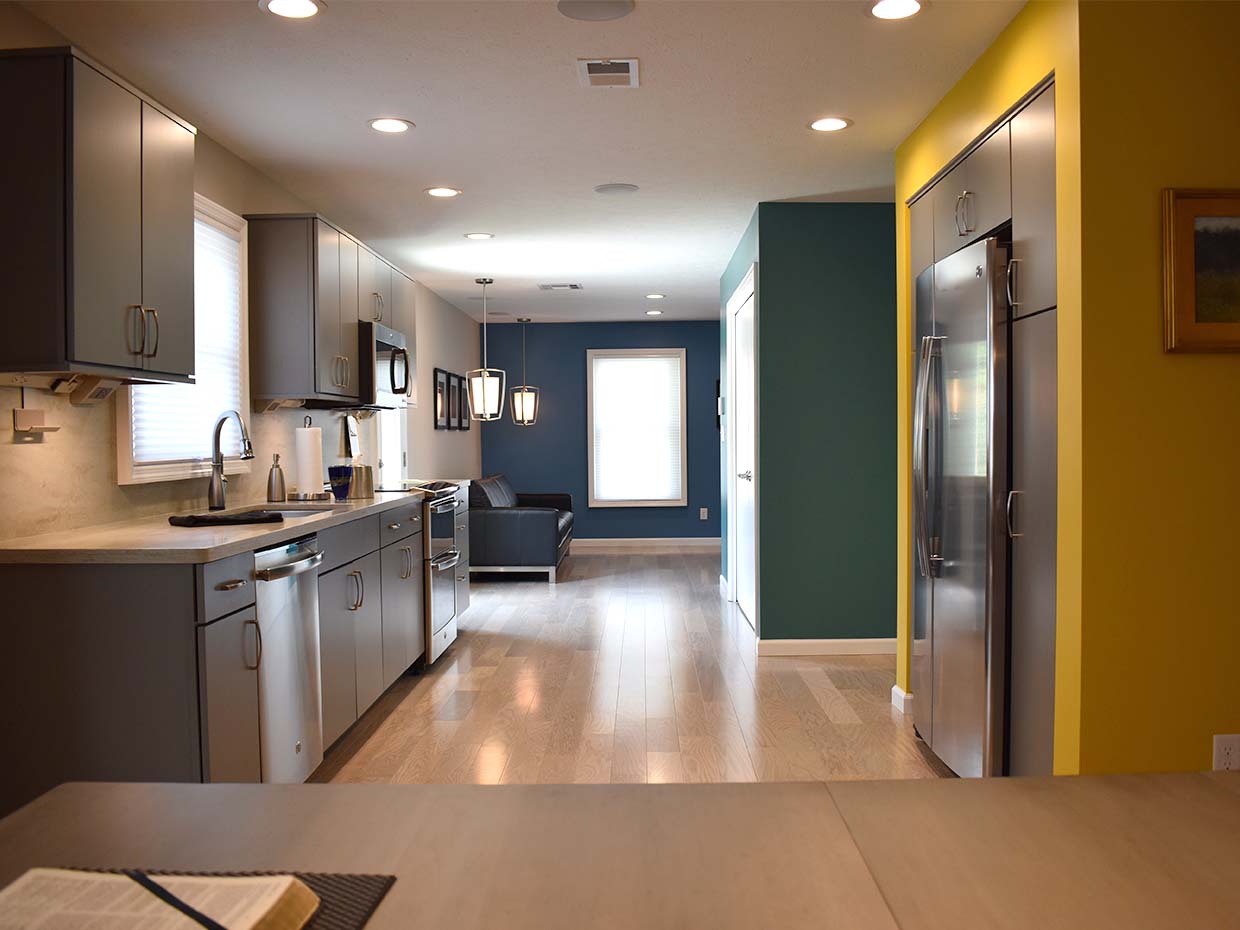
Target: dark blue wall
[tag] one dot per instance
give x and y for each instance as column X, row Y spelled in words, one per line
column 551, row 454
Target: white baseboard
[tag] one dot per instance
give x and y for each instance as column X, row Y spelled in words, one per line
column 705, row 544
column 827, row 647
column 723, row 586
column 901, row 700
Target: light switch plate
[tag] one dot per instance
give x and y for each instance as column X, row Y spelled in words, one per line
column 1227, row 752
column 704, row 513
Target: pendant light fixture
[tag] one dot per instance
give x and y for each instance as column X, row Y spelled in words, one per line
column 525, row 396
column 486, row 385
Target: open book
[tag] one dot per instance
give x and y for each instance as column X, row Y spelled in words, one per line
column 51, row 899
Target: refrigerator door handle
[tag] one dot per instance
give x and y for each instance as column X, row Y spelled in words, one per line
column 920, row 489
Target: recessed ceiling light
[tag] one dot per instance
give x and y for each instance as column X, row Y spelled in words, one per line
column 595, row 11
column 655, row 296
column 895, row 9
column 654, row 313
column 480, row 235
column 830, row 124
column 292, row 9
column 390, row 124
column 616, row 187
column 443, row 192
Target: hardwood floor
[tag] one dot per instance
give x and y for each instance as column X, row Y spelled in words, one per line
column 632, row 669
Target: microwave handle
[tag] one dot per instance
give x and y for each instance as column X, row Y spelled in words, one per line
column 404, row 354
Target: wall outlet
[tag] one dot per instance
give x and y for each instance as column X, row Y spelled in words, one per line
column 704, row 513
column 1227, row 752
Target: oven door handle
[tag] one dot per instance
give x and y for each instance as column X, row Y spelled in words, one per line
column 444, row 506
column 445, row 562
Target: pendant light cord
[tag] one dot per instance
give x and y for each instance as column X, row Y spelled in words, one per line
column 525, row 382
column 484, row 324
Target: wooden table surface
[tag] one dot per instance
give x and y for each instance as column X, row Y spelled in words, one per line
column 1125, row 851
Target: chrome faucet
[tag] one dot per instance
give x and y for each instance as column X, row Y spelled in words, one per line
column 215, row 491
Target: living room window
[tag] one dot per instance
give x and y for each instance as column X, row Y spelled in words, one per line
column 164, row 430
column 636, row 431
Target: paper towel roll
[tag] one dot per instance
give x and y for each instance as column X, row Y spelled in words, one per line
column 309, row 458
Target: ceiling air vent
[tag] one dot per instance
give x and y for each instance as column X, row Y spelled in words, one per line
column 559, row 287
column 607, row 72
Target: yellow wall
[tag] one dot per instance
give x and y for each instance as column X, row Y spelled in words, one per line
column 1041, row 39
column 1160, row 104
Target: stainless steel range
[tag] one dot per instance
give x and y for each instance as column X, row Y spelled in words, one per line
column 442, row 556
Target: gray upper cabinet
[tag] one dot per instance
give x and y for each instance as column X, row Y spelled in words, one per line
column 101, row 266
column 310, row 284
column 1031, row 281
column 167, row 242
column 374, row 288
column 974, row 197
column 921, row 234
column 228, row 664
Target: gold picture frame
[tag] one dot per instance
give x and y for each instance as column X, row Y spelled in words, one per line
column 1201, row 270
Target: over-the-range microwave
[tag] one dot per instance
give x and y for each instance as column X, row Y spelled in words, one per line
column 388, row 373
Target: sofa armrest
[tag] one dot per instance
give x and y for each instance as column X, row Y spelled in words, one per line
column 513, row 536
column 556, row 501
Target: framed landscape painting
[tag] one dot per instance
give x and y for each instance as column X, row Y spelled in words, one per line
column 1201, row 270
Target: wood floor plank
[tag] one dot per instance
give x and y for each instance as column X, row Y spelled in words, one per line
column 632, row 669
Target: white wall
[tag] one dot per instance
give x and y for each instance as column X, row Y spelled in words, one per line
column 68, row 479
column 447, row 339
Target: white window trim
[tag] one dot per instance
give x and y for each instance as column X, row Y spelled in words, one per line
column 591, row 354
column 129, row 472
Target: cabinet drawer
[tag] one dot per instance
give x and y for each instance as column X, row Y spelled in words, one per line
column 225, row 586
column 400, row 522
column 347, row 542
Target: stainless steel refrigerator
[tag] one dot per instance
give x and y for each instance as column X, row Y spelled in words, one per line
column 960, row 490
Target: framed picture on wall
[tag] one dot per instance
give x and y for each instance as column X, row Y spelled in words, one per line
column 441, row 399
column 454, row 401
column 1201, row 270
column 464, row 421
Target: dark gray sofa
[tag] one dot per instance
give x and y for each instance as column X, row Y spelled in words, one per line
column 511, row 532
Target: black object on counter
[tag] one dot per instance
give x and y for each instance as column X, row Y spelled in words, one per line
column 227, row 519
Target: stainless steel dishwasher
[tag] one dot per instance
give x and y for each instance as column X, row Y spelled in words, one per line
column 289, row 691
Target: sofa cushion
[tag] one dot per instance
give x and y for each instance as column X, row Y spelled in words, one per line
column 494, row 491
column 563, row 524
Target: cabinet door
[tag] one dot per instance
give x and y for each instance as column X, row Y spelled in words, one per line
column 368, row 634
column 947, row 199
column 402, row 589
column 106, row 204
column 921, row 234
column 462, row 586
column 1032, row 524
column 168, row 242
column 229, row 669
column 988, row 175
column 348, row 315
column 374, row 287
column 329, row 368
column 405, row 320
column 1032, row 280
column 341, row 594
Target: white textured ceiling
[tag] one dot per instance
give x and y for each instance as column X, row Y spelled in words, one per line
column 718, row 124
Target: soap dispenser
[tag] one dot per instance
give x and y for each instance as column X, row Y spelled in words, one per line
column 275, row 481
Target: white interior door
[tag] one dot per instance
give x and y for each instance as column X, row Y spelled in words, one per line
column 745, row 458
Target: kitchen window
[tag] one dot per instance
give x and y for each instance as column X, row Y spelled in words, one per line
column 636, row 431
column 164, row 430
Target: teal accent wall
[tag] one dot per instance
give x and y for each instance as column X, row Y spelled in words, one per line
column 827, row 418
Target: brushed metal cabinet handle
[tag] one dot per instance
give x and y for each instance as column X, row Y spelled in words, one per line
column 231, row 585
column 956, row 216
column 964, row 213
column 154, row 312
column 1013, row 281
column 141, row 329
column 361, row 596
column 258, row 645
column 393, row 526
column 1011, row 500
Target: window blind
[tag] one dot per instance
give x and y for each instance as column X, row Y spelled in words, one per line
column 173, row 422
column 637, row 427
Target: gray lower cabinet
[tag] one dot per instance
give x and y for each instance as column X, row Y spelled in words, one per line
column 462, row 546
column 229, row 668
column 403, row 610
column 1031, row 524
column 350, row 643
column 1031, row 281
column 101, row 265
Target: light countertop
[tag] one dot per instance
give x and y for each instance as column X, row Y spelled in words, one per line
column 1128, row 852
column 154, row 541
